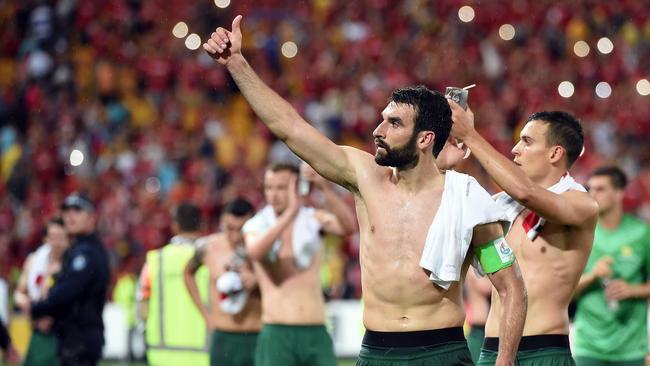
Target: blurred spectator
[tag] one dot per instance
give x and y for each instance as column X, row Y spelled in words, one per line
column 37, row 277
column 612, row 297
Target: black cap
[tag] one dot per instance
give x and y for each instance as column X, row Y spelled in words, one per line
column 75, row 200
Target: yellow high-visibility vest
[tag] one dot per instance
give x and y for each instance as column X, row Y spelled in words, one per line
column 176, row 333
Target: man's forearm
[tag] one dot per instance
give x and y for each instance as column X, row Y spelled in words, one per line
column 513, row 316
column 272, row 109
column 641, row 291
column 262, row 244
column 193, row 290
column 512, row 179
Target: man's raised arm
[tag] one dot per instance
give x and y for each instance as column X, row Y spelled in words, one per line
column 571, row 208
column 327, row 158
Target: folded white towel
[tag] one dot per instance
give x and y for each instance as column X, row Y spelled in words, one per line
column 533, row 223
column 305, row 236
column 464, row 205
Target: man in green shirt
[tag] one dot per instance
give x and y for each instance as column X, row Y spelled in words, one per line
column 611, row 317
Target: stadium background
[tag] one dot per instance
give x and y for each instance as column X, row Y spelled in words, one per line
column 116, row 98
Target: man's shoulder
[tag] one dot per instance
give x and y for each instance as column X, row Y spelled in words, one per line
column 211, row 240
column 637, row 221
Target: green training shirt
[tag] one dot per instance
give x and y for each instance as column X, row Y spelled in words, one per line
column 615, row 331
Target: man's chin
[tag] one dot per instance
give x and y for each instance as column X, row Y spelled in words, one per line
column 381, row 160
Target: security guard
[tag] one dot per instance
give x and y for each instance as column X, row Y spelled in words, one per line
column 176, row 333
column 76, row 300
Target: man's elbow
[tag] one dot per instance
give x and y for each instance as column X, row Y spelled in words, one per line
column 514, row 290
column 523, row 192
column 253, row 252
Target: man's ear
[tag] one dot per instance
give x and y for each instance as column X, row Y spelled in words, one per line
column 426, row 138
column 557, row 153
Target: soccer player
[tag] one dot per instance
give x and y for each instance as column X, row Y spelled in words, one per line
column 611, row 325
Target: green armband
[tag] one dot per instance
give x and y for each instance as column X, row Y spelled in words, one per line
column 495, row 255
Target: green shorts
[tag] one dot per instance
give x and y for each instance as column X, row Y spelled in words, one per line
column 588, row 361
column 475, row 341
column 232, row 348
column 289, row 345
column 421, row 348
column 42, row 350
column 538, row 350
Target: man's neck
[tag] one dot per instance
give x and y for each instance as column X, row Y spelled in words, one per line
column 611, row 219
column 421, row 175
column 550, row 179
column 234, row 246
column 188, row 235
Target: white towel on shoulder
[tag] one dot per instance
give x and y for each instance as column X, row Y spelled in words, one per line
column 533, row 223
column 305, row 236
column 464, row 205
column 37, row 275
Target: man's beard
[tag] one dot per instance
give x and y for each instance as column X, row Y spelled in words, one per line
column 398, row 157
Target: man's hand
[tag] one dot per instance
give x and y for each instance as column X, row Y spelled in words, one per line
column 224, row 44
column 462, row 120
column 603, row 269
column 13, row 356
column 295, row 202
column 248, row 279
column 310, row 175
column 44, row 324
column 619, row 290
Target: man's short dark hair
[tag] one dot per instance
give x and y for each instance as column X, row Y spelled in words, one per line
column 564, row 130
column 616, row 176
column 188, row 217
column 432, row 112
column 283, row 166
column 54, row 221
column 238, row 207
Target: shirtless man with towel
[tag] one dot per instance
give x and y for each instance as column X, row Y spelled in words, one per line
column 553, row 228
column 412, row 292
column 284, row 245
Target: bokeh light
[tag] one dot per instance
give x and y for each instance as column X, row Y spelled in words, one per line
column 193, row 41
column 76, row 157
column 507, row 32
column 180, row 30
column 581, row 49
column 289, row 49
column 222, row 3
column 466, row 14
column 603, row 90
column 566, row 89
column 643, row 87
column 152, row 185
column 605, row 46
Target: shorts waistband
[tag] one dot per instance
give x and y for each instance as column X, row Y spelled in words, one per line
column 530, row 343
column 420, row 338
column 236, row 333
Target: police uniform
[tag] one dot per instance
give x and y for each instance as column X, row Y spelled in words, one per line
column 76, row 302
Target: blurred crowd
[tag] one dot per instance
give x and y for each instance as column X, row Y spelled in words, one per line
column 153, row 123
